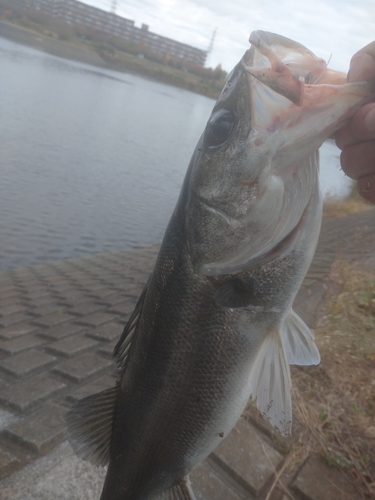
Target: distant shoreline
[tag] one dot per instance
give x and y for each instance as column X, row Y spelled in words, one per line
column 49, row 45
column 66, row 50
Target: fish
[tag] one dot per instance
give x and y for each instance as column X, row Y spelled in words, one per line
column 214, row 324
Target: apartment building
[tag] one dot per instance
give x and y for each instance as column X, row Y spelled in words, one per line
column 75, row 12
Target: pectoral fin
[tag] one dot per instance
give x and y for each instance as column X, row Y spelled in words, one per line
column 122, row 349
column 270, row 376
column 298, row 342
column 270, row 383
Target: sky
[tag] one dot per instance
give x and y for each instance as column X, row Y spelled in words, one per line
column 333, row 29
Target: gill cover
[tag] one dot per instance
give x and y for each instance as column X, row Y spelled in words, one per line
column 258, row 166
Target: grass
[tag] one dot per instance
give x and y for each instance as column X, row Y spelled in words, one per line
column 335, row 402
column 353, row 203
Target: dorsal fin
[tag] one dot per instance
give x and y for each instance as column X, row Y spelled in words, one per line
column 298, row 342
column 89, row 425
column 270, row 383
column 122, row 347
column 90, row 421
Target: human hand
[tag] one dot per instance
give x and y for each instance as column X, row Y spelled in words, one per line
column 357, row 138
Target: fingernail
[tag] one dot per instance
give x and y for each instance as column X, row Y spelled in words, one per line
column 361, row 68
column 369, row 120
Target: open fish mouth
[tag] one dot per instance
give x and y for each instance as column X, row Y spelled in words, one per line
column 295, row 102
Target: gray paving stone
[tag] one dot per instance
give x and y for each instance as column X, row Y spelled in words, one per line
column 134, row 291
column 124, row 308
column 20, row 344
column 25, row 394
column 61, row 331
column 13, row 331
column 26, row 363
column 83, row 366
column 37, row 294
column 41, row 430
column 248, row 457
column 89, row 285
column 107, row 349
column 86, row 308
column 11, row 319
column 97, row 385
column 73, row 298
column 107, row 332
column 9, row 292
column 41, row 301
column 8, row 462
column 96, row 319
column 72, row 346
column 58, row 282
column 318, row 481
column 5, row 310
column 102, row 293
column 6, row 418
column 60, row 475
column 10, row 301
column 114, row 298
column 54, row 319
column 47, row 309
column 208, row 485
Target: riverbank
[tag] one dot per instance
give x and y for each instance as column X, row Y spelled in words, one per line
column 59, row 323
column 49, row 45
column 115, row 60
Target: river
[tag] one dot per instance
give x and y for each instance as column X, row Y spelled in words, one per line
column 92, row 160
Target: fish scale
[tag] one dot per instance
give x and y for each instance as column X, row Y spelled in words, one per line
column 214, row 324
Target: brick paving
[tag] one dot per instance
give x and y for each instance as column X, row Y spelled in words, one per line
column 58, row 325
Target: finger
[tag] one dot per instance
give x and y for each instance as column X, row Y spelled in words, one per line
column 361, row 128
column 358, row 160
column 366, row 187
column 362, row 64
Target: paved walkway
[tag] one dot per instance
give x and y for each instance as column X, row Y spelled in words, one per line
column 58, row 325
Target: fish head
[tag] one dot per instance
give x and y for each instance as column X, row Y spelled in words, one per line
column 255, row 170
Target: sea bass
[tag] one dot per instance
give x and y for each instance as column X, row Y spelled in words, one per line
column 214, row 324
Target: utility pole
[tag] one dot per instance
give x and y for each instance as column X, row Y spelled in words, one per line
column 113, row 7
column 210, row 47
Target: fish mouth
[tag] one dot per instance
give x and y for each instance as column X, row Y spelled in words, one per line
column 278, row 251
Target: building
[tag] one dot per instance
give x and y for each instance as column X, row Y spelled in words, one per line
column 75, row 12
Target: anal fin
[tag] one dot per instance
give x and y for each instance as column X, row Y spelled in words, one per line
column 89, row 425
column 181, row 491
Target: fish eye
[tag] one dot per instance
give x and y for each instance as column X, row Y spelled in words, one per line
column 220, row 127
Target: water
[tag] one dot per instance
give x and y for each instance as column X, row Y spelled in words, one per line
column 92, row 160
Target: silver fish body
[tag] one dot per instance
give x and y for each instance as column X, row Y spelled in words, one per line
column 214, row 324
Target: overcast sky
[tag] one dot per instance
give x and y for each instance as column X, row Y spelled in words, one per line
column 337, row 27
